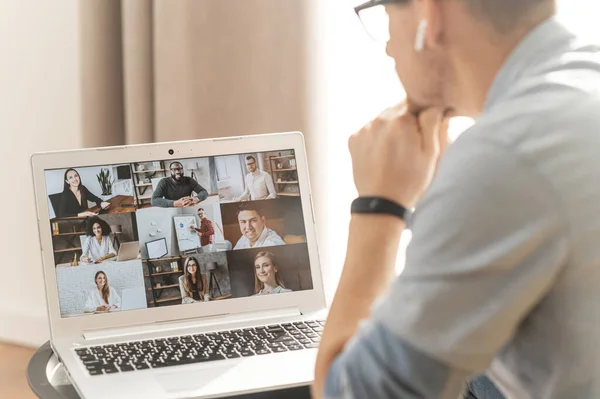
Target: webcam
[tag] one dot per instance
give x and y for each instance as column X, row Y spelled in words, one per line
column 171, row 152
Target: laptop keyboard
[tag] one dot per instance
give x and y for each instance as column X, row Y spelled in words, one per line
column 199, row 348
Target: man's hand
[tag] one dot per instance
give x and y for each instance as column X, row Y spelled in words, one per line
column 395, row 155
column 182, row 202
column 102, row 308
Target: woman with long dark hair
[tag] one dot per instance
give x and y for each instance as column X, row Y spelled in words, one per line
column 75, row 196
column 192, row 284
column 103, row 297
column 267, row 279
column 97, row 246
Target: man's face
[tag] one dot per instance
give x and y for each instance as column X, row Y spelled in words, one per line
column 177, row 171
column 251, row 165
column 201, row 213
column 251, row 224
column 422, row 74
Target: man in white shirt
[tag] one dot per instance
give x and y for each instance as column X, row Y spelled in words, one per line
column 255, row 232
column 259, row 184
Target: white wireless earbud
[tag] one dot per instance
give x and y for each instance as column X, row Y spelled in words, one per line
column 420, row 39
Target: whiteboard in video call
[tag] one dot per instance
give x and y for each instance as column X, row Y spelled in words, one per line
column 186, row 239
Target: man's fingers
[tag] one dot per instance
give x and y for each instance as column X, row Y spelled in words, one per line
column 430, row 121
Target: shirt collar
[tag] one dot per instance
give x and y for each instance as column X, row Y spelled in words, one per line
column 535, row 47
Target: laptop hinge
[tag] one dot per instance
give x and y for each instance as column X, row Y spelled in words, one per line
column 182, row 324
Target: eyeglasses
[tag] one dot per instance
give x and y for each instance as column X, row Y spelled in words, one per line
column 375, row 19
column 177, row 169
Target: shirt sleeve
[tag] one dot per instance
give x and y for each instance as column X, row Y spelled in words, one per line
column 488, row 241
column 199, row 190
column 91, row 197
column 270, row 186
column 115, row 297
column 159, row 194
column 376, row 364
column 111, row 248
column 85, row 250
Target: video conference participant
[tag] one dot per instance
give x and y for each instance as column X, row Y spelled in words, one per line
column 176, row 191
column 102, row 298
column 97, row 247
column 253, row 226
column 192, row 284
column 259, row 184
column 206, row 229
column 267, row 279
column 75, row 196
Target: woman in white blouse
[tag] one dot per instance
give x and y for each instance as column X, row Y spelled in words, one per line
column 97, row 247
column 104, row 297
column 267, row 279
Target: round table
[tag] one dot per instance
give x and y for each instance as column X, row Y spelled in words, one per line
column 48, row 380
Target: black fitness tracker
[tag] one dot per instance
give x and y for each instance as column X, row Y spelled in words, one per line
column 377, row 205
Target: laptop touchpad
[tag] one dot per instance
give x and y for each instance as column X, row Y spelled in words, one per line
column 191, row 380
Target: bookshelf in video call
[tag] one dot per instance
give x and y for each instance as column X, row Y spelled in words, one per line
column 282, row 168
column 143, row 173
column 167, row 277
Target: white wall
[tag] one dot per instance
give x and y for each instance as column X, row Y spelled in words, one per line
column 163, row 219
column 212, row 210
column 39, row 110
column 235, row 184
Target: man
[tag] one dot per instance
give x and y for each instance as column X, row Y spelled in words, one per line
column 177, row 190
column 259, row 184
column 255, row 232
column 206, row 230
column 501, row 275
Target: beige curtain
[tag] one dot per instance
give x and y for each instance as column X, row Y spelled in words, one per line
column 159, row 70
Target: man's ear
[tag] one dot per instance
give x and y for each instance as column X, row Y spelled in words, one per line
column 431, row 11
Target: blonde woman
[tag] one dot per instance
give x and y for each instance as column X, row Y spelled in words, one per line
column 102, row 298
column 267, row 279
column 192, row 284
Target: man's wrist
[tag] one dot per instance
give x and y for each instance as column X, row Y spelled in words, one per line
column 377, row 205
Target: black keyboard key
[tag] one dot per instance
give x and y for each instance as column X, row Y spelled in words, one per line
column 246, row 353
column 305, row 341
column 86, row 358
column 318, row 329
column 95, row 372
column 126, row 367
column 111, row 370
column 312, row 324
column 279, row 350
column 318, row 339
column 310, row 346
column 312, row 335
column 295, row 347
column 262, row 351
column 141, row 366
column 232, row 355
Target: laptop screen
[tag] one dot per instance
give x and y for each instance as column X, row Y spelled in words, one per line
column 177, row 232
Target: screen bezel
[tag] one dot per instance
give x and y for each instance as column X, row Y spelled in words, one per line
column 305, row 301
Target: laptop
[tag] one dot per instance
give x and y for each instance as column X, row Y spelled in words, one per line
column 235, row 320
column 128, row 251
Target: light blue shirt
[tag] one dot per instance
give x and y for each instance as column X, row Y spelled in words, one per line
column 503, row 272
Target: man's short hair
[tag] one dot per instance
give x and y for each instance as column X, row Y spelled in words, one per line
column 250, row 157
column 200, row 209
column 175, row 162
column 506, row 15
column 249, row 206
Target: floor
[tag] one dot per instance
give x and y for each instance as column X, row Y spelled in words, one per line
column 13, row 365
